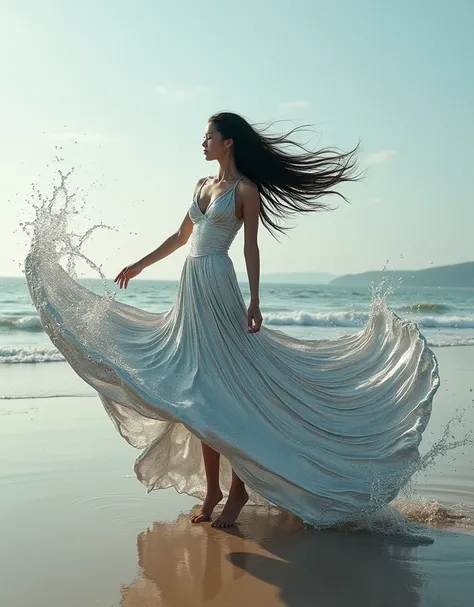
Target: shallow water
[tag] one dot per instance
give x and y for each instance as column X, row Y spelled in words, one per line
column 79, row 529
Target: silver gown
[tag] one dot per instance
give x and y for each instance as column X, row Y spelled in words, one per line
column 327, row 429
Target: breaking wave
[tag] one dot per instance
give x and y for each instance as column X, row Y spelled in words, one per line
column 21, row 323
column 347, row 318
column 29, row 355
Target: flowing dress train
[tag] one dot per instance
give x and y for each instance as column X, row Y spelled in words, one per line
column 327, row 429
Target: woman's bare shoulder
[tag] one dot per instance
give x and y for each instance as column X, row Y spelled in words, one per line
column 248, row 185
column 249, row 189
column 199, row 183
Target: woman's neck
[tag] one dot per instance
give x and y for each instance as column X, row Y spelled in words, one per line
column 227, row 170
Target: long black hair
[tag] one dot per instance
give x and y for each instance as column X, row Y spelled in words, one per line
column 288, row 183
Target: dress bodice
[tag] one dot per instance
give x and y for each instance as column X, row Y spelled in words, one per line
column 214, row 230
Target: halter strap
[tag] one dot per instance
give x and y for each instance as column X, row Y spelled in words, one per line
column 200, row 187
column 238, row 180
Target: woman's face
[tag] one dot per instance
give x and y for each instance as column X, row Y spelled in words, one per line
column 215, row 147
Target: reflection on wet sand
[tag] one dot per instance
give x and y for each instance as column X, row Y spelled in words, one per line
column 268, row 559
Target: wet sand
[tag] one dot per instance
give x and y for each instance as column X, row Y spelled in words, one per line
column 78, row 529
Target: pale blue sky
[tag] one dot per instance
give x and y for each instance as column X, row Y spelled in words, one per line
column 134, row 82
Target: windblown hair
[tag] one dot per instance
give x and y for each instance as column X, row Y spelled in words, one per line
column 288, row 183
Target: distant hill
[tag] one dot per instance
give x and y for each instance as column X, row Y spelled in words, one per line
column 458, row 275
column 319, row 278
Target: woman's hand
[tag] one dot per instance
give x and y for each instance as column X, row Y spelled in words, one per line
column 127, row 274
column 254, row 318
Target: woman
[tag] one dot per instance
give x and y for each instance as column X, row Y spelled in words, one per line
column 244, row 155
column 328, row 430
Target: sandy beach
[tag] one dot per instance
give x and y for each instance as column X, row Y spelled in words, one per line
column 78, row 529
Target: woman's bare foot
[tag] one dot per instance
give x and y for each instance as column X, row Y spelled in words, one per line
column 204, row 512
column 235, row 502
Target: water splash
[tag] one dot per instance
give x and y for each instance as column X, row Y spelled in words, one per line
column 408, row 516
column 50, row 269
column 381, row 291
column 432, row 513
column 50, row 232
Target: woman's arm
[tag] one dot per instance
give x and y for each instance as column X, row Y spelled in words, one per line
column 251, row 211
column 173, row 242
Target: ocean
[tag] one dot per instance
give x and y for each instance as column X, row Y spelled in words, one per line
column 444, row 315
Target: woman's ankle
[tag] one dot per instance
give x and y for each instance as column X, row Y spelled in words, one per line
column 214, row 490
column 238, row 489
